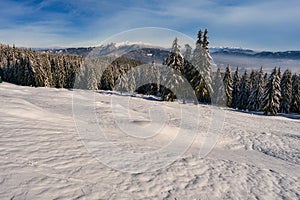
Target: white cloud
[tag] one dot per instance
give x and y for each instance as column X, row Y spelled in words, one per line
column 87, row 21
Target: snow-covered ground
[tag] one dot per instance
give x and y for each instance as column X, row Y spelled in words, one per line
column 47, row 151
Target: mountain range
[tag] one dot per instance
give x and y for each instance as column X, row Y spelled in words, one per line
column 245, row 58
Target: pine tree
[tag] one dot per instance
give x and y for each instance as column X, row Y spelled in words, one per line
column 252, row 79
column 257, row 92
column 218, row 97
column 188, row 52
column 176, row 46
column 279, row 73
column 199, row 40
column 203, row 62
column 205, row 41
column 286, row 91
column 91, row 79
column 131, row 81
column 295, row 105
column 244, row 91
column 236, row 89
column 175, row 58
column 122, row 81
column 228, row 85
column 173, row 79
column 266, row 79
column 272, row 94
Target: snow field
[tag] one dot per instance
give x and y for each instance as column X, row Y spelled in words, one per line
column 44, row 157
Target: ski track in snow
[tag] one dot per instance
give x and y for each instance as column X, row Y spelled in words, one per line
column 43, row 157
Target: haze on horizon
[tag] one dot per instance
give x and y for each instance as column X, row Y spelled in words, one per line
column 258, row 25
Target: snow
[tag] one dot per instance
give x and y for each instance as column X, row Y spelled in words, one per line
column 44, row 155
column 129, row 43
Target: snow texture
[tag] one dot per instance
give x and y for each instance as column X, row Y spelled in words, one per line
column 42, row 156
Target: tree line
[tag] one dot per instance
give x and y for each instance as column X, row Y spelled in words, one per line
column 30, row 68
column 262, row 92
column 259, row 91
column 255, row 92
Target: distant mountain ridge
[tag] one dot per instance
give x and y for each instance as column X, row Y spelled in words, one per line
column 119, row 49
column 222, row 56
column 111, row 49
column 295, row 55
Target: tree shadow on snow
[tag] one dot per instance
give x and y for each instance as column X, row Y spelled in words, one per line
column 290, row 116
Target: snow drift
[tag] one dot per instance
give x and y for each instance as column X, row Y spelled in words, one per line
column 44, row 157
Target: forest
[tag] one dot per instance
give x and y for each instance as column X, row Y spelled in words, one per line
column 272, row 93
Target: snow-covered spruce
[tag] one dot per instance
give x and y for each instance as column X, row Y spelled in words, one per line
column 254, row 101
column 244, row 91
column 286, row 91
column 272, row 94
column 188, row 52
column 236, row 88
column 218, row 96
column 228, row 85
column 295, row 105
column 203, row 62
column 173, row 79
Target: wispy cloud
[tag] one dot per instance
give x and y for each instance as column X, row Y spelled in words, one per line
column 255, row 24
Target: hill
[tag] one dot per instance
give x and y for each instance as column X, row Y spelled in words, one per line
column 44, row 154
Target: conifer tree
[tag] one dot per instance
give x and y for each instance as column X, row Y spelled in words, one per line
column 91, row 79
column 254, row 102
column 236, row 89
column 203, row 62
column 199, row 40
column 228, row 85
column 176, row 46
column 205, row 40
column 286, row 91
column 272, row 94
column 295, row 105
column 244, row 93
column 176, row 61
column 266, row 79
column 188, row 52
column 252, row 79
column 218, row 96
column 175, row 58
column 279, row 73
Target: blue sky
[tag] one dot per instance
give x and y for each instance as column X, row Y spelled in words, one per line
column 255, row 24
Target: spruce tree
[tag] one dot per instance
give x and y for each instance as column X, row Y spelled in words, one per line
column 199, row 40
column 228, row 85
column 279, row 73
column 203, row 62
column 218, row 97
column 252, row 79
column 257, row 91
column 286, row 91
column 236, row 88
column 91, row 79
column 176, row 46
column 244, row 93
column 175, row 58
column 188, row 52
column 272, row 94
column 295, row 105
column 205, row 40
column 266, row 78
column 173, row 79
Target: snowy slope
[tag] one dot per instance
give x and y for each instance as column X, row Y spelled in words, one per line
column 43, row 155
